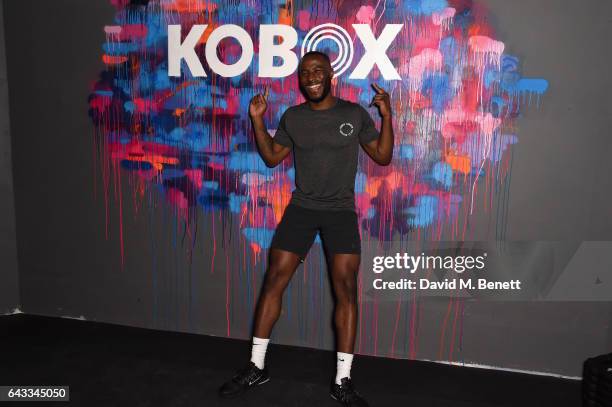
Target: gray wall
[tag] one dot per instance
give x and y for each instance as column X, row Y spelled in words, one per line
column 564, row 41
column 560, row 192
column 9, row 279
column 561, row 183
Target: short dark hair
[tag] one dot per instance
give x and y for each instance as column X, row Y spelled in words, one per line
column 315, row 53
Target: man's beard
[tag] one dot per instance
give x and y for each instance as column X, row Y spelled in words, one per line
column 326, row 90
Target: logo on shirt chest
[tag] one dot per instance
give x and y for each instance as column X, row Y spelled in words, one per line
column 346, row 129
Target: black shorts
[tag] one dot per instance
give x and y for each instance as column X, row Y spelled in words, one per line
column 298, row 228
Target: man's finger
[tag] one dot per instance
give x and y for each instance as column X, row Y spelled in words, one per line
column 266, row 93
column 377, row 88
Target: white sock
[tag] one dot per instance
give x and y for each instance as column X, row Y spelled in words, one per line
column 258, row 352
column 343, row 366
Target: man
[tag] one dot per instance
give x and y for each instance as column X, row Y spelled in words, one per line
column 324, row 134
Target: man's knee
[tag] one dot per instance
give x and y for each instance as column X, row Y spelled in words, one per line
column 273, row 279
column 345, row 287
column 277, row 276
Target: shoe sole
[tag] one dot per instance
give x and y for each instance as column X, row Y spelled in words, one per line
column 232, row 396
column 333, row 397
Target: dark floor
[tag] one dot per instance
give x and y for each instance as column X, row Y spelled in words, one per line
column 110, row 365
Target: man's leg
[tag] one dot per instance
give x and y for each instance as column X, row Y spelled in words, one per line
column 293, row 237
column 344, row 269
column 281, row 267
column 340, row 235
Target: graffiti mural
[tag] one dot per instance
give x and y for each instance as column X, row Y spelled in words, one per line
column 455, row 110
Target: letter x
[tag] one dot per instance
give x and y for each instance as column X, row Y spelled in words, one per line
column 376, row 51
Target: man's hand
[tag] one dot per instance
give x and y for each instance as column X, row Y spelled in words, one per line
column 272, row 153
column 382, row 101
column 381, row 149
column 258, row 104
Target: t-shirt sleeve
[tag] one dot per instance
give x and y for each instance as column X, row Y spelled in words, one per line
column 368, row 129
column 281, row 136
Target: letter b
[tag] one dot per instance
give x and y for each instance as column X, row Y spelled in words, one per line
column 268, row 50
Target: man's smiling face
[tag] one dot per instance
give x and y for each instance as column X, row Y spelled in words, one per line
column 315, row 75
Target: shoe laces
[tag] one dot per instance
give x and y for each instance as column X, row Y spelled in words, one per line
column 247, row 374
column 347, row 391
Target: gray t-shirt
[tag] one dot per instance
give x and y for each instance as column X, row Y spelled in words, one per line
column 325, row 147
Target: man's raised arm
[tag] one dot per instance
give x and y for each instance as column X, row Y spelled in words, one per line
column 381, row 149
column 272, row 153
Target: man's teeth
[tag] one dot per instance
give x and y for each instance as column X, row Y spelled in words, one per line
column 313, row 87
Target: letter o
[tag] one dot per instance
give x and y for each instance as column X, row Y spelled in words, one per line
column 237, row 68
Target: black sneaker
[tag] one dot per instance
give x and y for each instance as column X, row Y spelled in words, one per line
column 243, row 380
column 346, row 394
